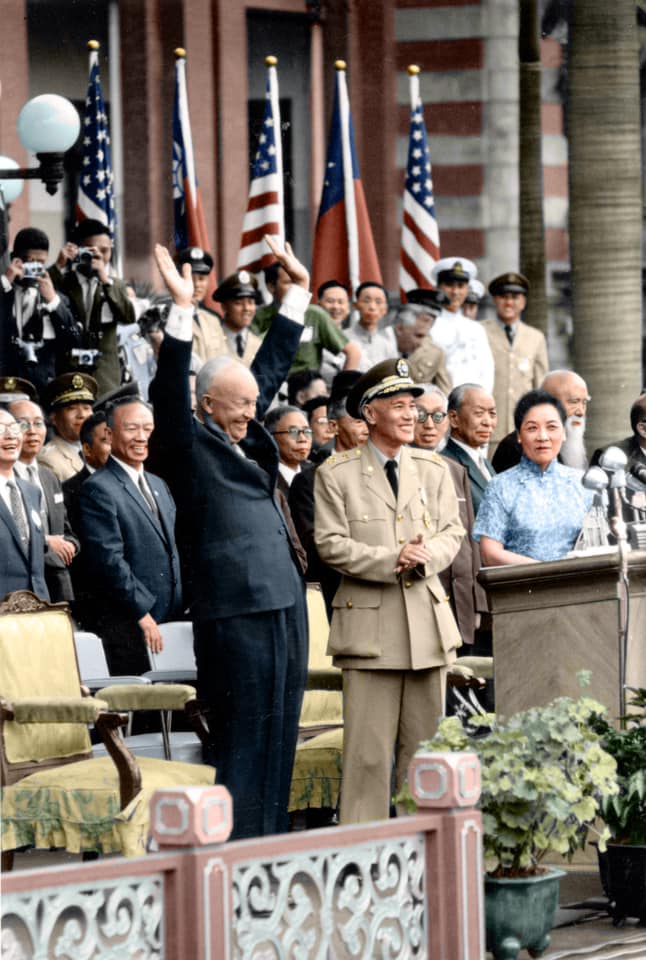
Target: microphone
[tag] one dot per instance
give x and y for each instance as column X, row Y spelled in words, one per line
column 613, row 459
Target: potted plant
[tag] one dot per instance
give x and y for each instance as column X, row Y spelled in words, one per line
column 623, row 864
column 544, row 776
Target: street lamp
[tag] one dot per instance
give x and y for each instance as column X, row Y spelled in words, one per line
column 48, row 126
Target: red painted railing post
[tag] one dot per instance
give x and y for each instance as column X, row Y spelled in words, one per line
column 188, row 818
column 449, row 784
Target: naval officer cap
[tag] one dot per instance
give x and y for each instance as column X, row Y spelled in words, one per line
column 452, row 269
column 385, row 379
column 238, row 285
column 200, row 260
column 509, row 283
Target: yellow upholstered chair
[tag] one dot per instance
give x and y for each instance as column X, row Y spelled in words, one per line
column 53, row 793
column 316, row 779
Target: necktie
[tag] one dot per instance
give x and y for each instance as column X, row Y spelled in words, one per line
column 391, row 473
column 18, row 512
column 239, row 345
column 147, row 495
column 509, row 330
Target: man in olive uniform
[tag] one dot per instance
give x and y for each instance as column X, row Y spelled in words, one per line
column 386, row 517
column 519, row 351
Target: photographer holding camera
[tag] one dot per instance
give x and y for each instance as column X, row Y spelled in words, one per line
column 38, row 330
column 98, row 299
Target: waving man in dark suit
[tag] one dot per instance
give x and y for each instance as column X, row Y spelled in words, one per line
column 127, row 532
column 248, row 611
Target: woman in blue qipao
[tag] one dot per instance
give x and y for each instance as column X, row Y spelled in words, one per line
column 534, row 511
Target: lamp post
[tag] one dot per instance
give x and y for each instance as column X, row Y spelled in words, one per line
column 48, row 126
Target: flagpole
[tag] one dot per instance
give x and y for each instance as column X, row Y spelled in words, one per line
column 272, row 75
column 180, row 68
column 116, row 130
column 348, row 177
column 413, row 74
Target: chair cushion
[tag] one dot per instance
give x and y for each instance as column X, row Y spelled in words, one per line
column 140, row 696
column 48, row 639
column 316, row 779
column 77, row 806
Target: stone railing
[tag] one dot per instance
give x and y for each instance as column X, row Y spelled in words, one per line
column 407, row 887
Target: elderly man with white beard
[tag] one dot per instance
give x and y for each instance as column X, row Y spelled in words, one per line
column 571, row 389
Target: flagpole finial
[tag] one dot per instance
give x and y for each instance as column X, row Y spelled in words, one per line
column 271, row 61
column 93, row 44
column 180, row 53
column 413, row 70
column 340, row 64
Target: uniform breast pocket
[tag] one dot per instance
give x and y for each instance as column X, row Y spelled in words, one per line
column 369, row 526
column 424, row 516
column 355, row 622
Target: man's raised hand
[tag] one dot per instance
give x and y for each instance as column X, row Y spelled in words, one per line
column 179, row 285
column 288, row 261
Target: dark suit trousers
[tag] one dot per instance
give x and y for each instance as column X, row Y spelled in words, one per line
column 252, row 671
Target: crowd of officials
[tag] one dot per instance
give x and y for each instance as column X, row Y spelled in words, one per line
column 187, row 456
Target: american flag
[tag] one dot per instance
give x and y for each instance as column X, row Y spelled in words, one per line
column 420, row 241
column 190, row 226
column 95, row 199
column 265, row 207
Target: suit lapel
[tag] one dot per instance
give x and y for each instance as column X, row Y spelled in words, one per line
column 135, row 496
column 474, row 474
column 7, row 517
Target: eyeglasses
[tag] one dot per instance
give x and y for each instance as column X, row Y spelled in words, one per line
column 25, row 424
column 437, row 417
column 10, row 429
column 295, row 432
column 321, row 420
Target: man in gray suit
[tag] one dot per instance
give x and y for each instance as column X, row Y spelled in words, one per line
column 61, row 545
column 473, row 418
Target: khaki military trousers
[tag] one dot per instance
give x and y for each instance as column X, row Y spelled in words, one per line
column 386, row 713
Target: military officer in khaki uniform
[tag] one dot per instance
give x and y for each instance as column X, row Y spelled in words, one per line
column 386, row 517
column 519, row 351
column 69, row 400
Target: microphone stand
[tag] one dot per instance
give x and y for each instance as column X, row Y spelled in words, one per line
column 620, row 532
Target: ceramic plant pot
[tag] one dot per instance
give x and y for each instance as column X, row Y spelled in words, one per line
column 520, row 912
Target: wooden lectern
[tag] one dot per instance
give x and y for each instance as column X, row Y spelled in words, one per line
column 553, row 619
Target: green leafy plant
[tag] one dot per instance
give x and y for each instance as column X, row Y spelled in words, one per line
column 625, row 812
column 544, row 776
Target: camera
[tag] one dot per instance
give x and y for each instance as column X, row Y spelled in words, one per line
column 155, row 317
column 84, row 255
column 82, row 357
column 32, row 271
column 28, row 349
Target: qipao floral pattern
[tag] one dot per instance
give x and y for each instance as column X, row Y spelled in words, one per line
column 538, row 513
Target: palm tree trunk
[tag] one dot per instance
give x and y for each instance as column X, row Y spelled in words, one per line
column 605, row 209
column 532, row 232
